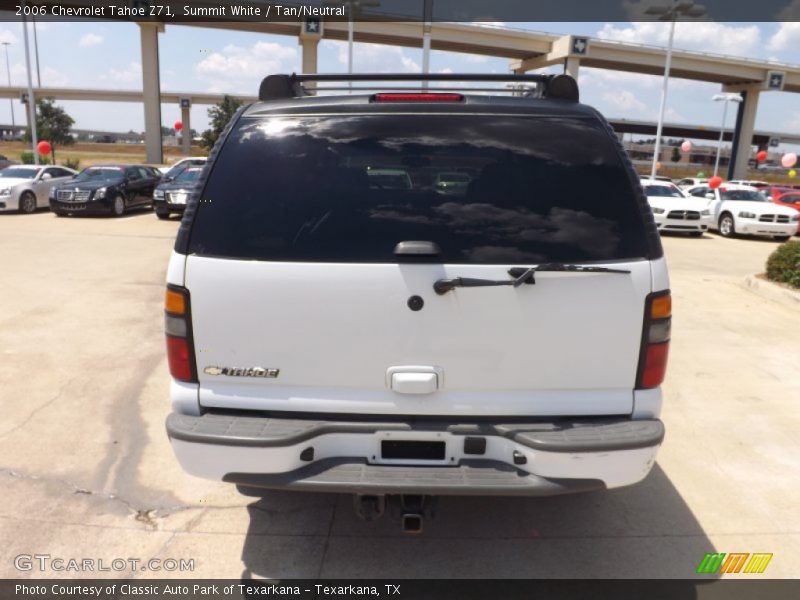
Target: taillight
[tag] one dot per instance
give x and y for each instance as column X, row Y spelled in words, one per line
column 423, row 97
column 178, row 327
column 655, row 340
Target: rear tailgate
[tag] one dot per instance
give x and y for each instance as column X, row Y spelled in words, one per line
column 568, row 345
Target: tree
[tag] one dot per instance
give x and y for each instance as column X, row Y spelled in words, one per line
column 52, row 124
column 219, row 114
column 676, row 155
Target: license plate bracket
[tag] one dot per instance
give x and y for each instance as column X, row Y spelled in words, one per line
column 412, row 450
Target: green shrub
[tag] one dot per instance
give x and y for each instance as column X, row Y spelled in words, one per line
column 783, row 265
column 26, row 158
column 72, row 163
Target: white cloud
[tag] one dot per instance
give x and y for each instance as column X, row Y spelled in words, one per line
column 627, row 104
column 7, row 36
column 239, row 69
column 626, row 101
column 55, row 78
column 786, row 38
column 128, row 75
column 377, row 58
column 90, row 39
column 703, row 36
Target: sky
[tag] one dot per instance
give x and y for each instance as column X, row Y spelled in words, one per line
column 107, row 55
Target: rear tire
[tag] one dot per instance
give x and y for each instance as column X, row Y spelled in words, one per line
column 27, row 203
column 727, row 226
column 162, row 214
column 118, row 206
column 696, row 234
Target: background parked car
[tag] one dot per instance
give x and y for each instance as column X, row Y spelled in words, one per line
column 675, row 212
column 27, row 187
column 744, row 209
column 106, row 189
column 688, row 182
column 171, row 195
column 759, row 185
column 6, row 162
column 790, row 198
column 184, row 163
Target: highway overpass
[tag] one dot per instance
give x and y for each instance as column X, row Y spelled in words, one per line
column 526, row 50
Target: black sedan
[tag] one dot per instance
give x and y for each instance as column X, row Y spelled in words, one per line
column 172, row 194
column 105, row 189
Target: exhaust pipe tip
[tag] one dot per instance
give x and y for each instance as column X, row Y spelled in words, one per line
column 412, row 523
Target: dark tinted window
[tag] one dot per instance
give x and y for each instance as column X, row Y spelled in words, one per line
column 299, row 189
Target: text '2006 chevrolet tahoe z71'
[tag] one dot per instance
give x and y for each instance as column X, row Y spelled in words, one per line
column 330, row 330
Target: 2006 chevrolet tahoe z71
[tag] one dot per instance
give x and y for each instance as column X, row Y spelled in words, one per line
column 328, row 330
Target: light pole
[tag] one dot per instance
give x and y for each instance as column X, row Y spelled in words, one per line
column 671, row 14
column 427, row 23
column 10, row 100
column 36, row 52
column 31, row 99
column 725, row 98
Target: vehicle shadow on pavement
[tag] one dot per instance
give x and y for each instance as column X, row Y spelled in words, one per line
column 643, row 531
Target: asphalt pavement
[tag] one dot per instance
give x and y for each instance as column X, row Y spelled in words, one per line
column 86, row 470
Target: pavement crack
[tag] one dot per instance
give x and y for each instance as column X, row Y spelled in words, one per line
column 148, row 516
column 38, row 409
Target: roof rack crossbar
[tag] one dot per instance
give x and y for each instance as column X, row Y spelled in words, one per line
column 274, row 87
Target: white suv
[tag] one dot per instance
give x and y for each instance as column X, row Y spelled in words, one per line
column 327, row 334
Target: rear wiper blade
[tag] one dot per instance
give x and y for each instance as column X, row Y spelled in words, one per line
column 517, row 272
column 520, row 276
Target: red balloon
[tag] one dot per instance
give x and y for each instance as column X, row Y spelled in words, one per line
column 178, row 126
column 761, row 156
column 715, row 182
column 44, row 148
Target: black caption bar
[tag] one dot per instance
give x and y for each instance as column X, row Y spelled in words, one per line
column 407, row 589
column 486, row 11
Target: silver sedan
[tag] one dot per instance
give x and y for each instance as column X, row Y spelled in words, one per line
column 26, row 187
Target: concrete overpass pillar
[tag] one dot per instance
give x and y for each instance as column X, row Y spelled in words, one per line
column 309, row 47
column 571, row 66
column 151, row 86
column 743, row 133
column 310, row 35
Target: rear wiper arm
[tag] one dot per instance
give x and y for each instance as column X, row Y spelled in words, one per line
column 520, row 275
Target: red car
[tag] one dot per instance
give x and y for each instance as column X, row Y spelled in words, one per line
column 787, row 197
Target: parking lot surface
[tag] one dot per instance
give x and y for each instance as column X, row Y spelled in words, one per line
column 86, row 470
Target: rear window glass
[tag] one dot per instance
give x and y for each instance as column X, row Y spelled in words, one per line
column 348, row 188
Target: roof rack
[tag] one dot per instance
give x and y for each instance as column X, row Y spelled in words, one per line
column 562, row 87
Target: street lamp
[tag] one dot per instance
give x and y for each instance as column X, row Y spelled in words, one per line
column 671, row 14
column 10, row 100
column 723, row 98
